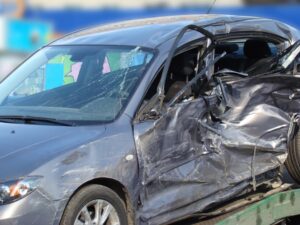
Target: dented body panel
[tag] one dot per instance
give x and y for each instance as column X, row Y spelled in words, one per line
column 190, row 157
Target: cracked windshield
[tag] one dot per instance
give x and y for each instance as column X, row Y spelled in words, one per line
column 74, row 83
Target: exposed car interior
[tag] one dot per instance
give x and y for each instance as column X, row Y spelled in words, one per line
column 248, row 55
column 181, row 71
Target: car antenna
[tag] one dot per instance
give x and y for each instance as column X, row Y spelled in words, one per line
column 211, row 7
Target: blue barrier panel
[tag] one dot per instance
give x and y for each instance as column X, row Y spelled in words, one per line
column 26, row 36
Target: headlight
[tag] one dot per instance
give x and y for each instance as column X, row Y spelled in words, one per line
column 15, row 190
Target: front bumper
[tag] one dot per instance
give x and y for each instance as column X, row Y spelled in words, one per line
column 34, row 209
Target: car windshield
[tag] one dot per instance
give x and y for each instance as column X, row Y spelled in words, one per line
column 74, row 83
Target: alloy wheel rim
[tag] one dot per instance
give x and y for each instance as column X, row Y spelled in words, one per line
column 97, row 212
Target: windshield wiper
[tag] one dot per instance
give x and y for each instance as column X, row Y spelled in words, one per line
column 33, row 120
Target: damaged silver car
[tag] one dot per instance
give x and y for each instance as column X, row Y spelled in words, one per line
column 149, row 121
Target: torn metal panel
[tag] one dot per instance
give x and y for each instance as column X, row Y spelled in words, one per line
column 187, row 150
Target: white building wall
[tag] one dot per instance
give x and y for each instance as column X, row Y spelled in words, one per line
column 3, row 33
column 125, row 3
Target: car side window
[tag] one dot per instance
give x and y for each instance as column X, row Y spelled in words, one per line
column 181, row 71
column 243, row 54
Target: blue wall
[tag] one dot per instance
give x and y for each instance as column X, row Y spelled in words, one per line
column 68, row 20
column 26, row 36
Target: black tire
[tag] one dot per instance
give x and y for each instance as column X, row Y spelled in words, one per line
column 88, row 194
column 293, row 160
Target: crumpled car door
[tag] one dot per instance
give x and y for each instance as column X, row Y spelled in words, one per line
column 169, row 154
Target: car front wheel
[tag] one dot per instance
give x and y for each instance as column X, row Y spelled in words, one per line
column 293, row 160
column 95, row 205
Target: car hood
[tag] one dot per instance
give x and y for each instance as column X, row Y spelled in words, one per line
column 25, row 147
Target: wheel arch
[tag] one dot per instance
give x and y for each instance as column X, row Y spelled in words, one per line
column 118, row 188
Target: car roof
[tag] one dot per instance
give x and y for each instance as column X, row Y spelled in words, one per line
column 152, row 32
